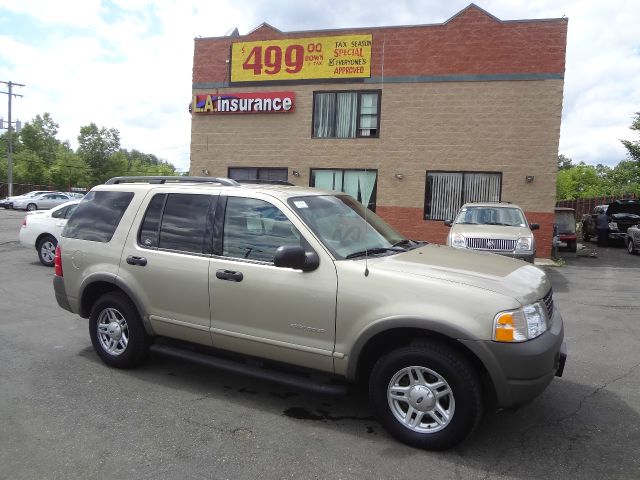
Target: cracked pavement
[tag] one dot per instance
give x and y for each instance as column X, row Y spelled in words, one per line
column 63, row 414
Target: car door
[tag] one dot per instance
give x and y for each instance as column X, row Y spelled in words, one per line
column 263, row 310
column 165, row 263
column 46, row 201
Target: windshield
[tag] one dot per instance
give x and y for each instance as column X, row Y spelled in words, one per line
column 487, row 215
column 347, row 228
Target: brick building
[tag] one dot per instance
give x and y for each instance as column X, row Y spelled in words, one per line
column 411, row 120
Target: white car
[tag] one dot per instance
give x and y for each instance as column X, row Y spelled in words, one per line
column 41, row 202
column 42, row 230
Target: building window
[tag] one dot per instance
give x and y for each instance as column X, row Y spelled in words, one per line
column 346, row 114
column 446, row 192
column 259, row 173
column 360, row 184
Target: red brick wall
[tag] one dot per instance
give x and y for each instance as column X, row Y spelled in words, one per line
column 409, row 222
column 471, row 43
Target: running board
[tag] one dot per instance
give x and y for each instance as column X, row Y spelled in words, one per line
column 288, row 379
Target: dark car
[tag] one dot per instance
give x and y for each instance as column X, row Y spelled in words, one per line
column 621, row 214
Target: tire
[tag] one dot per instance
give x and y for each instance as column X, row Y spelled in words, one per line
column 631, row 247
column 572, row 246
column 46, row 250
column 117, row 333
column 444, row 421
column 31, row 207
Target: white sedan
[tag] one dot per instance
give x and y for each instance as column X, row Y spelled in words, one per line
column 42, row 230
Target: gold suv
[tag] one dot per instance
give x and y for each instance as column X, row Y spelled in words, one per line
column 312, row 279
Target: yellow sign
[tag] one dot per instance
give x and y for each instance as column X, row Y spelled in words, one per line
column 345, row 56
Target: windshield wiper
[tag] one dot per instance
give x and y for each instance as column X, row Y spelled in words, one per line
column 407, row 242
column 375, row 251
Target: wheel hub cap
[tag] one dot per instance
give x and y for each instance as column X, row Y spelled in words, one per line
column 421, row 398
column 115, row 331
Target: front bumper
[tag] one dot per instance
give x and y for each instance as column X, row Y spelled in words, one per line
column 521, row 371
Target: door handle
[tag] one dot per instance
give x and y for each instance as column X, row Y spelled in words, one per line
column 132, row 260
column 229, row 275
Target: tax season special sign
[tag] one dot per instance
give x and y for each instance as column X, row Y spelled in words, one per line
column 229, row 103
column 344, row 56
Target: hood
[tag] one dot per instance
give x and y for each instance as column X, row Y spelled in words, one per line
column 624, row 206
column 491, row 231
column 515, row 278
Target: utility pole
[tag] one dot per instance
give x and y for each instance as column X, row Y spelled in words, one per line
column 10, row 94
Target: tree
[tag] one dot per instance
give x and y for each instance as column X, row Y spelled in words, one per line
column 69, row 170
column 633, row 148
column 29, row 168
column 580, row 181
column 39, row 136
column 564, row 163
column 96, row 146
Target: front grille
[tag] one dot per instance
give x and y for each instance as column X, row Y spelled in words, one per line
column 493, row 244
column 548, row 302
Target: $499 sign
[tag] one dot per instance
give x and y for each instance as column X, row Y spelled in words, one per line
column 345, row 56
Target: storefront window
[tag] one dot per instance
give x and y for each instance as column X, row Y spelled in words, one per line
column 346, row 114
column 446, row 192
column 360, row 184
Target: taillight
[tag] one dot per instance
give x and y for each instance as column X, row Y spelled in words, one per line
column 57, row 262
column 24, row 222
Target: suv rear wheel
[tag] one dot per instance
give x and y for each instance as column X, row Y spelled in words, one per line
column 117, row 332
column 426, row 395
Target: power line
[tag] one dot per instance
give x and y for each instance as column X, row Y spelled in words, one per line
column 10, row 94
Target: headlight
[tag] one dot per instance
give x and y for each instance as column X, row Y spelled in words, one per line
column 524, row 243
column 520, row 325
column 458, row 241
column 613, row 226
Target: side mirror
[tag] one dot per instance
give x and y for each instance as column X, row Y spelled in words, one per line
column 534, row 226
column 448, row 223
column 294, row 256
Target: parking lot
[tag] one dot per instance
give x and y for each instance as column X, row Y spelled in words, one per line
column 64, row 414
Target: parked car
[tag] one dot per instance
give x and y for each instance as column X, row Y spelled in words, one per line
column 42, row 229
column 493, row 227
column 41, row 202
column 565, row 228
column 312, row 279
column 7, row 202
column 621, row 215
column 632, row 239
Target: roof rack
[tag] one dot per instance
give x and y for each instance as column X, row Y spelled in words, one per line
column 172, row 179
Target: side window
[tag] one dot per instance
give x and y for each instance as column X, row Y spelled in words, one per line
column 70, row 209
column 184, row 225
column 254, row 229
column 60, row 213
column 98, row 216
column 150, row 229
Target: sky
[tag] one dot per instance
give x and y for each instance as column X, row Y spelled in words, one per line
column 127, row 64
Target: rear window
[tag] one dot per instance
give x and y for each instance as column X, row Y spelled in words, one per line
column 97, row 216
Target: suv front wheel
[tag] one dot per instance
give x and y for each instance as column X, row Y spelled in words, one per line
column 117, row 333
column 426, row 395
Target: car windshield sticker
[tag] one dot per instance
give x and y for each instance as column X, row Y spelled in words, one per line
column 301, row 204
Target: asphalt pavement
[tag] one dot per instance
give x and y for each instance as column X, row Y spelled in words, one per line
column 65, row 415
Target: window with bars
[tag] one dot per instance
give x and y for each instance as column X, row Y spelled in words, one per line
column 360, row 184
column 346, row 114
column 446, row 192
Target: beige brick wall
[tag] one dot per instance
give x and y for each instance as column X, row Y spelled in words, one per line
column 508, row 126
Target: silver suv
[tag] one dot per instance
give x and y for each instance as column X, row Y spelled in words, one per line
column 493, row 227
column 312, row 279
